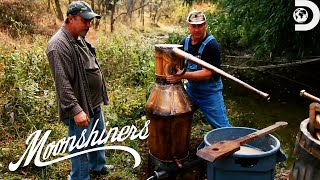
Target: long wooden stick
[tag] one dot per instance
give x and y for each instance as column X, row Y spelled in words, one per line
column 303, row 93
column 195, row 60
column 225, row 148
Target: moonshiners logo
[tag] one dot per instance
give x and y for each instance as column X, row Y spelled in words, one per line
column 300, row 15
column 37, row 147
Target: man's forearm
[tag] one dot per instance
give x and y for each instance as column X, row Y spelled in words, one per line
column 203, row 74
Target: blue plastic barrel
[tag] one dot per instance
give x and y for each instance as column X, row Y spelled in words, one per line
column 244, row 166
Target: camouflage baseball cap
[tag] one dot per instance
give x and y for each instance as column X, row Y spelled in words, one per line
column 196, row 17
column 82, row 9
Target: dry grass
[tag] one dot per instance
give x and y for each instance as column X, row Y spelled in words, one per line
column 41, row 21
column 45, row 24
column 23, row 20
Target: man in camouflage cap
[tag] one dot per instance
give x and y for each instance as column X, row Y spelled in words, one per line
column 204, row 87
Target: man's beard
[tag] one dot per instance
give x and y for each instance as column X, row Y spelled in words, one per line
column 83, row 32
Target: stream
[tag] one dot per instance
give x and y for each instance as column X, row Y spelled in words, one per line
column 246, row 109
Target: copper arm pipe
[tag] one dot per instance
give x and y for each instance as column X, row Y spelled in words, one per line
column 303, row 93
column 193, row 59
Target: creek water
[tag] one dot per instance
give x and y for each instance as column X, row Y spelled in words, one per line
column 245, row 109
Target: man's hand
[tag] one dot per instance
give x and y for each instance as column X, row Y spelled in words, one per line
column 173, row 78
column 81, row 119
column 176, row 77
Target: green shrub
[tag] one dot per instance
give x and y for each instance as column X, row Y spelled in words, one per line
column 127, row 60
column 28, row 90
column 266, row 28
column 14, row 18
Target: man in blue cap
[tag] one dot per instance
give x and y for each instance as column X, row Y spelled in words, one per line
column 80, row 87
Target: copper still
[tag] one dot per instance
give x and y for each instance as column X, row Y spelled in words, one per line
column 169, row 110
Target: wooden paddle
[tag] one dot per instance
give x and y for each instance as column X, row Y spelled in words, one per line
column 228, row 147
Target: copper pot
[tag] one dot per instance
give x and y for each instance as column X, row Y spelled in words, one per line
column 169, row 110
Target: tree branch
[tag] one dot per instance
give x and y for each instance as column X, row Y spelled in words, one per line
column 131, row 11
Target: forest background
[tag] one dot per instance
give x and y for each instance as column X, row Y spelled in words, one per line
column 259, row 45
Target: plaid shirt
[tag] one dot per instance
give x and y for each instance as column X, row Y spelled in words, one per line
column 72, row 88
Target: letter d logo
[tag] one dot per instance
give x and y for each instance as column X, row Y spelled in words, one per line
column 300, row 15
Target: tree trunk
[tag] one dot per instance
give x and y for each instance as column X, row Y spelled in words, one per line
column 112, row 14
column 130, row 6
column 154, row 18
column 100, row 10
column 142, row 12
column 93, row 9
column 58, row 10
column 150, row 9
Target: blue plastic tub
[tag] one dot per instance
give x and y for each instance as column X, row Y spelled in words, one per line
column 240, row 166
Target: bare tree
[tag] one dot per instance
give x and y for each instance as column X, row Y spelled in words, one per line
column 113, row 6
column 142, row 12
column 101, row 10
column 58, row 10
column 129, row 6
column 155, row 10
column 160, row 8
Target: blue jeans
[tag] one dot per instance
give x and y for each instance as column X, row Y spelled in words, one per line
column 82, row 164
column 208, row 98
